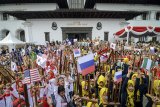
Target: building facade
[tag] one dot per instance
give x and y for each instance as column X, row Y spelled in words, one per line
column 38, row 21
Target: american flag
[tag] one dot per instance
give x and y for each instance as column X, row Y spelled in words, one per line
column 27, row 78
column 35, row 75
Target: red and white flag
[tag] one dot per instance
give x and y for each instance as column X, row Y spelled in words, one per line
column 113, row 46
column 34, row 73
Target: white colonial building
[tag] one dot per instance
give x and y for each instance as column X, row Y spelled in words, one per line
column 37, row 21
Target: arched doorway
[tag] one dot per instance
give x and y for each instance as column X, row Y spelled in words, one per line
column 20, row 34
column 4, row 33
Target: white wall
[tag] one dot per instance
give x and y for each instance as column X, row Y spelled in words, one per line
column 153, row 23
column 37, row 27
column 28, row 7
column 11, row 25
column 126, row 7
column 41, row 26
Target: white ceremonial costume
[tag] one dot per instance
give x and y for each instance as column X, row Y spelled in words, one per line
column 8, row 98
column 2, row 101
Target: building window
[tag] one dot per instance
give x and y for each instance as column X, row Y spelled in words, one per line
column 5, row 16
column 22, row 36
column 144, row 16
column 76, row 4
column 47, row 36
column 157, row 16
column 148, row 16
column 154, row 39
column 106, row 36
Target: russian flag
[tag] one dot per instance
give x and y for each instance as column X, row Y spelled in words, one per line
column 118, row 76
column 86, row 64
column 77, row 52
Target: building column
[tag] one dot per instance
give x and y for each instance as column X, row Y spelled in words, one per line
column 158, row 37
column 153, row 15
column 1, row 16
column 1, row 36
column 28, row 31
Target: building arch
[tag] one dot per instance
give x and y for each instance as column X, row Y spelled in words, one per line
column 4, row 33
column 20, row 34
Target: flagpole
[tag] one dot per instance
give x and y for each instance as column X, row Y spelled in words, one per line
column 60, row 65
column 26, row 95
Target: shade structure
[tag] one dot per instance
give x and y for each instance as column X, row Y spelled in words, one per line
column 138, row 31
column 10, row 40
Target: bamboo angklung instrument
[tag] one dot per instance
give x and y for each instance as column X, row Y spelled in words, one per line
column 99, row 66
column 110, row 76
column 89, row 86
column 79, row 87
column 96, row 101
column 133, row 68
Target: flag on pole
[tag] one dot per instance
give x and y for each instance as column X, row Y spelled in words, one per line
column 29, row 48
column 34, row 73
column 86, row 64
column 33, row 56
column 127, row 47
column 113, row 46
column 41, row 61
column 13, row 66
column 104, row 57
column 118, row 76
column 147, row 63
column 77, row 52
column 27, row 78
column 152, row 50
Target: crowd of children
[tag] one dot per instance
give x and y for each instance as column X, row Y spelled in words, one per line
column 62, row 86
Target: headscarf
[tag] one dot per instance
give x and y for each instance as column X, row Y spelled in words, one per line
column 126, row 60
column 102, row 91
column 96, row 57
column 84, row 92
column 155, row 85
column 89, row 104
column 101, row 79
column 138, row 92
column 130, row 97
column 134, row 76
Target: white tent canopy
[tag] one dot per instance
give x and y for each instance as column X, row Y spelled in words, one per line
column 11, row 40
